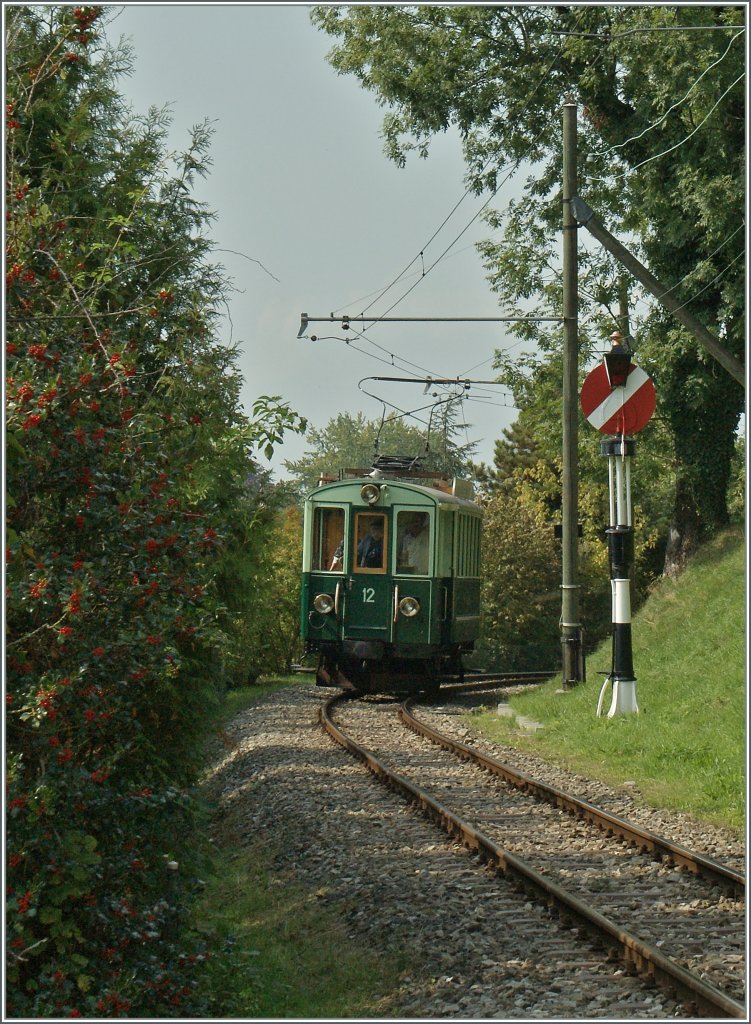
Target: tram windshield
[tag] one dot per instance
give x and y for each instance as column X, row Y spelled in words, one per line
column 413, row 542
column 328, row 540
column 370, row 542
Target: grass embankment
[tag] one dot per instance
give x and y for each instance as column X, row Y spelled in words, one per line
column 685, row 750
column 288, row 956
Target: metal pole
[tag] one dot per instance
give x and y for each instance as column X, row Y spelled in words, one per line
column 573, row 670
column 620, row 534
column 624, row 325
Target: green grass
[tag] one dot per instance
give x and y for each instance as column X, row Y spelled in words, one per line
column 685, row 750
column 291, row 956
column 286, row 953
column 237, row 700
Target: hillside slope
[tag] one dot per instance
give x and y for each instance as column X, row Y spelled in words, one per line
column 685, row 749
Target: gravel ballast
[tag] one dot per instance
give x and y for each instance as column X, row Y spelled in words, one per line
column 480, row 948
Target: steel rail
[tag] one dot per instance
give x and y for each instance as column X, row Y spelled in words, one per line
column 494, row 681
column 646, row 841
column 705, row 998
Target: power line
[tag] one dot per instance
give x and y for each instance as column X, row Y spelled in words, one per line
column 466, row 228
column 709, row 283
column 383, row 289
column 432, row 405
column 402, row 360
column 305, row 320
column 420, row 253
column 677, row 144
column 479, row 399
column 544, row 77
column 656, row 124
column 606, row 37
column 392, row 355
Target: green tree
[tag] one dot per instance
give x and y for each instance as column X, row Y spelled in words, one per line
column 521, row 569
column 515, row 451
column 662, row 141
column 273, row 627
column 353, row 442
column 125, row 448
column 521, row 494
column 259, row 584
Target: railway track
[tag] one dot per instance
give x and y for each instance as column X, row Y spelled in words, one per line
column 673, row 916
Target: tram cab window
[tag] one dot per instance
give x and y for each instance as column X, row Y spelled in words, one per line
column 370, row 542
column 413, row 542
column 328, row 540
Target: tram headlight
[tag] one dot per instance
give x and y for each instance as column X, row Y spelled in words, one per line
column 323, row 603
column 409, row 607
column 370, row 493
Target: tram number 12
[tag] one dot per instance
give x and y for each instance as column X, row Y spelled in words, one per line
column 368, row 595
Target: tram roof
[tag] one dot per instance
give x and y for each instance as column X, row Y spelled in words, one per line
column 441, row 491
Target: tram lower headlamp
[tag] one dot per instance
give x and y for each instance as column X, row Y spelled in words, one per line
column 409, row 607
column 370, row 493
column 323, row 603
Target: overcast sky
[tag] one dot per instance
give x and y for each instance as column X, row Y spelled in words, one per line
column 301, row 185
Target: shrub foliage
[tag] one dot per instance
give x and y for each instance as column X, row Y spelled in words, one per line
column 127, row 458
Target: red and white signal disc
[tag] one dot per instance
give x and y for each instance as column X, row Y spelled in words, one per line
column 620, row 410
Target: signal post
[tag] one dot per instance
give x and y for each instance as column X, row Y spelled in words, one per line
column 618, row 398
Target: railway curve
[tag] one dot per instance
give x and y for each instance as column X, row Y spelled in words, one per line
column 689, row 974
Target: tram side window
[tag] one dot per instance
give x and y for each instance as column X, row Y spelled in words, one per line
column 370, row 542
column 468, row 546
column 328, row 539
column 413, row 542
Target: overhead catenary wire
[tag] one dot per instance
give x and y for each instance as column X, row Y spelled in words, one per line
column 384, row 288
column 649, row 303
column 402, row 412
column 514, row 167
column 672, row 107
column 464, row 397
column 447, row 400
column 447, row 250
column 369, row 341
column 607, row 36
column 677, row 145
column 420, row 255
column 435, row 377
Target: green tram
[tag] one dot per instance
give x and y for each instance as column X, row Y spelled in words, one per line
column 391, row 579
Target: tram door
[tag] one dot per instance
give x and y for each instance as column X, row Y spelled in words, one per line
column 368, row 584
column 326, row 571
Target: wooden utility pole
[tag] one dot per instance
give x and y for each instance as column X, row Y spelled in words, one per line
column 573, row 671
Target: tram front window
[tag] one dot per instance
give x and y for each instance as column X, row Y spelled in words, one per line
column 370, row 543
column 413, row 542
column 328, row 540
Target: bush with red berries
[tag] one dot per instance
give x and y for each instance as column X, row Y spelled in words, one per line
column 127, row 458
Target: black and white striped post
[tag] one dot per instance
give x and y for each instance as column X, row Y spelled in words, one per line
column 618, row 398
column 620, row 534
